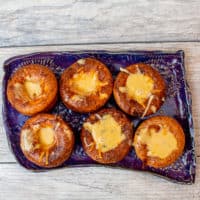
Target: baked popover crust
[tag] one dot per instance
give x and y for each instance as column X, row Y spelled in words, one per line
column 106, row 136
column 32, row 89
column 159, row 141
column 86, row 85
column 139, row 90
column 46, row 140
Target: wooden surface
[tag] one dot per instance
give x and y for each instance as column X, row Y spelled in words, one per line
column 96, row 21
column 123, row 25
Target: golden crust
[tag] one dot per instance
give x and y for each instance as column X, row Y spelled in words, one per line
column 129, row 105
column 56, row 154
column 141, row 149
column 93, row 101
column 116, row 154
column 22, row 102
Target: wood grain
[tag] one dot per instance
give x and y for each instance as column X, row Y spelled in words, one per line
column 97, row 21
column 99, row 182
column 90, row 183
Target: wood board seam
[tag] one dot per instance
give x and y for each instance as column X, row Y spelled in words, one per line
column 102, row 43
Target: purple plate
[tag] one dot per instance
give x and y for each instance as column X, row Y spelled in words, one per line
column 177, row 105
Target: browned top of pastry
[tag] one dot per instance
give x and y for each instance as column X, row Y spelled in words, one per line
column 86, row 85
column 139, row 90
column 106, row 136
column 46, row 140
column 159, row 141
column 32, row 89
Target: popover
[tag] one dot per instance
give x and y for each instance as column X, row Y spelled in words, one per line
column 32, row 89
column 139, row 90
column 159, row 141
column 86, row 85
column 46, row 140
column 106, row 136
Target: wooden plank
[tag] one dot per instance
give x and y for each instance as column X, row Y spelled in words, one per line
column 90, row 183
column 78, row 21
column 192, row 67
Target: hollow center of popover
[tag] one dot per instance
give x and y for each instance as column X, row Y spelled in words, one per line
column 46, row 136
column 160, row 143
column 138, row 87
column 106, row 132
column 86, row 83
column 33, row 89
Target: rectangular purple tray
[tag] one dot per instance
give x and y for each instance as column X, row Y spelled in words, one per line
column 177, row 105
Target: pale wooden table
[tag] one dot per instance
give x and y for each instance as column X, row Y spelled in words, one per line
column 38, row 25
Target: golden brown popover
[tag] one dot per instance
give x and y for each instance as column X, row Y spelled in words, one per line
column 107, row 136
column 46, row 140
column 32, row 89
column 139, row 90
column 86, row 85
column 159, row 141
